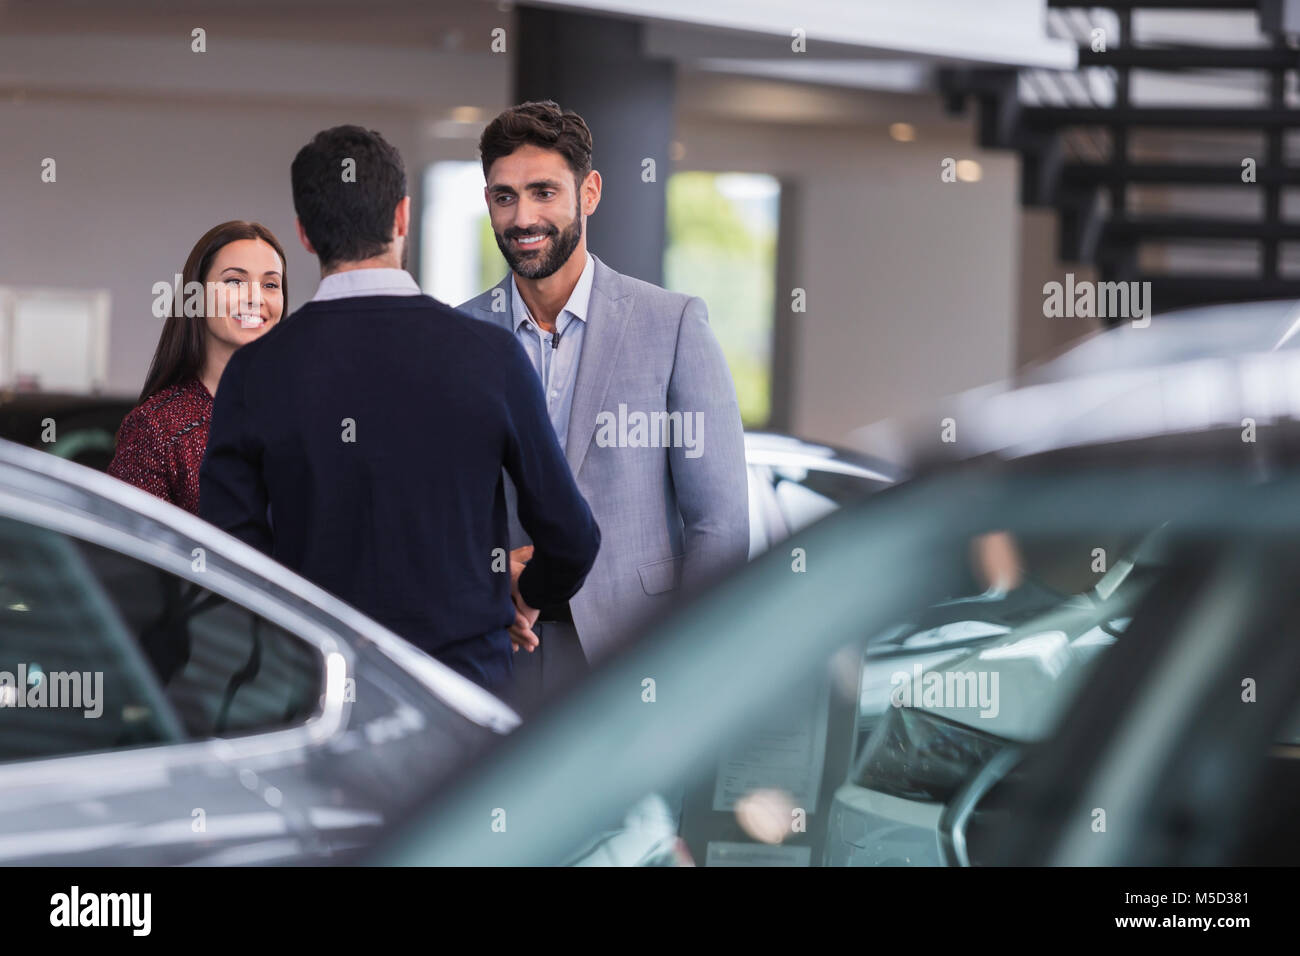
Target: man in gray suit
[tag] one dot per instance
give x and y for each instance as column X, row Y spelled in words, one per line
column 637, row 389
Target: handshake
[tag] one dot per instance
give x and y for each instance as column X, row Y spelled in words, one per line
column 521, row 632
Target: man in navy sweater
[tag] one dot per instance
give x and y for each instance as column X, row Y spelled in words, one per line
column 361, row 441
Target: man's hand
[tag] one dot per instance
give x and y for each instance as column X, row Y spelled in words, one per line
column 518, row 558
column 521, row 632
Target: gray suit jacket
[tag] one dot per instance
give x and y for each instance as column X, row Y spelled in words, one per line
column 670, row 517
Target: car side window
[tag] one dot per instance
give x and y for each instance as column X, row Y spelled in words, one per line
column 216, row 669
column 72, row 679
column 225, row 670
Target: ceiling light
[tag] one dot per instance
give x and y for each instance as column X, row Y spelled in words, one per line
column 902, row 132
column 969, row 171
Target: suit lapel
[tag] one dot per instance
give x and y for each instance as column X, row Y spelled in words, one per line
column 607, row 318
column 504, row 319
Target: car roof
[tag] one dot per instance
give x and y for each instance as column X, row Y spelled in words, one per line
column 1125, row 385
column 1184, row 400
column 772, row 448
column 1177, row 336
column 19, row 403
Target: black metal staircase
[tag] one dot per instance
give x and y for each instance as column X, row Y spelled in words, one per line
column 1098, row 224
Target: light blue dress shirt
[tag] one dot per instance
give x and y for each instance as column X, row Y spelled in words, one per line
column 556, row 362
column 359, row 282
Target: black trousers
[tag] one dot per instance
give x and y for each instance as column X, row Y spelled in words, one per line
column 557, row 662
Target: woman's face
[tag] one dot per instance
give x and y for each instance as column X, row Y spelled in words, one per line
column 245, row 291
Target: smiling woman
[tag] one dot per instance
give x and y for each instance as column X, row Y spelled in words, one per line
column 241, row 268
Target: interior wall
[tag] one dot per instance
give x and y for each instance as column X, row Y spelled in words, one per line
column 911, row 283
column 126, row 208
column 1039, row 337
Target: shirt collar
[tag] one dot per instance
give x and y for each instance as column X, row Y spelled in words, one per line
column 357, row 282
column 579, row 298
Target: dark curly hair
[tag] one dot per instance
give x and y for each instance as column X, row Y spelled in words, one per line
column 538, row 123
column 347, row 221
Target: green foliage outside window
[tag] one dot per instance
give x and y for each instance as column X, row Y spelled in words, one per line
column 723, row 249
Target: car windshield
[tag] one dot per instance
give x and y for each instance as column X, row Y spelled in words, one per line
column 824, row 706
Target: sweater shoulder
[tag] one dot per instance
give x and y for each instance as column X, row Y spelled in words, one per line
column 470, row 339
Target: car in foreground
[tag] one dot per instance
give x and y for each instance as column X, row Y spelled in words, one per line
column 727, row 734
column 171, row 696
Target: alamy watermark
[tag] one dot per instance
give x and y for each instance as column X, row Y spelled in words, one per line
column 193, row 300
column 1098, row 300
column 33, row 687
column 951, row 690
column 659, row 429
column 130, row 910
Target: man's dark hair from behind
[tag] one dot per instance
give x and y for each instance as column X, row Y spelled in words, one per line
column 538, row 123
column 346, row 209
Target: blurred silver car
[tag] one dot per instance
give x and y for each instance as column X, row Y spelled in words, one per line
column 169, row 695
column 732, row 728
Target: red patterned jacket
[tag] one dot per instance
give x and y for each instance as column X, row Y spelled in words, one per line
column 161, row 443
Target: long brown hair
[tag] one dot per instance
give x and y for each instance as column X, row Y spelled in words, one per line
column 182, row 346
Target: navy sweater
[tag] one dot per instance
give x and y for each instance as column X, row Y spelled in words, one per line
column 372, row 433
